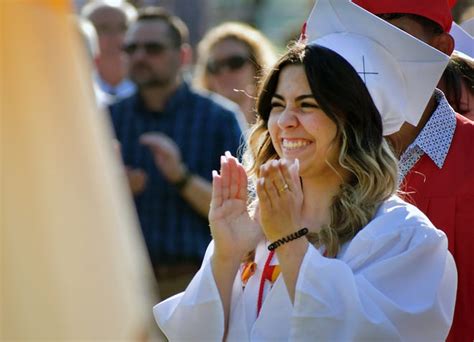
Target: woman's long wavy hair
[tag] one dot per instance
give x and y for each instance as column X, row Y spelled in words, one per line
column 364, row 153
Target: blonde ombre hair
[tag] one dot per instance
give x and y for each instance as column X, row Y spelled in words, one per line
column 364, row 153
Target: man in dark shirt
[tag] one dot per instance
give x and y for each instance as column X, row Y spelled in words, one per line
column 175, row 137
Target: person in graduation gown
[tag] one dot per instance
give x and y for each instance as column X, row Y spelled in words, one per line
column 336, row 255
column 436, row 157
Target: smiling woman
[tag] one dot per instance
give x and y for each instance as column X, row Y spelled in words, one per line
column 334, row 254
column 298, row 128
column 336, row 136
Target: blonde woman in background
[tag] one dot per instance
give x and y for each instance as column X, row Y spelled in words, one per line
column 231, row 59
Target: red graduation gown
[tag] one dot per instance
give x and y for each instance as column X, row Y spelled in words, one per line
column 446, row 196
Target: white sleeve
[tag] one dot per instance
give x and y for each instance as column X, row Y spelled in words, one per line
column 397, row 287
column 195, row 314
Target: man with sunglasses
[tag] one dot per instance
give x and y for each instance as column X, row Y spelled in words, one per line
column 176, row 137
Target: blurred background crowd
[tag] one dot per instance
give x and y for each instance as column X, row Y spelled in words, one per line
column 180, row 83
column 222, row 47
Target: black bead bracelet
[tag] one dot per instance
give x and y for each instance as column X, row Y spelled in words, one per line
column 291, row 237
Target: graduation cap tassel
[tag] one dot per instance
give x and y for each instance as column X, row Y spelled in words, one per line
column 303, row 34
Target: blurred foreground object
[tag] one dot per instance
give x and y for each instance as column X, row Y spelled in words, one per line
column 72, row 261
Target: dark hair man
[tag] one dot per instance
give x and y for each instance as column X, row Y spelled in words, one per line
column 176, row 137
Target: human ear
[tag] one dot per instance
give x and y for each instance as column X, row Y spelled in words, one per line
column 444, row 42
column 186, row 54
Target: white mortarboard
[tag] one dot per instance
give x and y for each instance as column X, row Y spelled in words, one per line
column 399, row 70
column 468, row 26
column 463, row 41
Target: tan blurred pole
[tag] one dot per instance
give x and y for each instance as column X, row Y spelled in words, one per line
column 72, row 259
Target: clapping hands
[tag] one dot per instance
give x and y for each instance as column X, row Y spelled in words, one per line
column 234, row 232
column 280, row 198
column 166, row 154
column 280, row 201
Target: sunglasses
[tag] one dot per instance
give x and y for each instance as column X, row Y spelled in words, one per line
column 232, row 63
column 150, row 48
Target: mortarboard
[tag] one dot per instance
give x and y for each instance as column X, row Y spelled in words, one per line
column 468, row 26
column 399, row 70
column 463, row 41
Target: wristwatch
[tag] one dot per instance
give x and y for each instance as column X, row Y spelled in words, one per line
column 181, row 184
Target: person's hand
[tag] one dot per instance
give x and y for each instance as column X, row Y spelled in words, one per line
column 137, row 179
column 166, row 154
column 233, row 231
column 280, row 198
column 117, row 147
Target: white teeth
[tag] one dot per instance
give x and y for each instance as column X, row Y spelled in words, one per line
column 294, row 144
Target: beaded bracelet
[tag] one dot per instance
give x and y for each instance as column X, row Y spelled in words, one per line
column 291, row 237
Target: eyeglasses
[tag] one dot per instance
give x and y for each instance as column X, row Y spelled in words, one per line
column 150, row 48
column 232, row 63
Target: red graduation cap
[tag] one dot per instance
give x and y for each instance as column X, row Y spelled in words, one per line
column 437, row 10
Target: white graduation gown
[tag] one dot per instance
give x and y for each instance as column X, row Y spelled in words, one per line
column 395, row 280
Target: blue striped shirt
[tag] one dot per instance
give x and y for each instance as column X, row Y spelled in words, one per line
column 203, row 128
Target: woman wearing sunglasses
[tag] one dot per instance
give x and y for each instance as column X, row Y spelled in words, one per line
column 231, row 58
